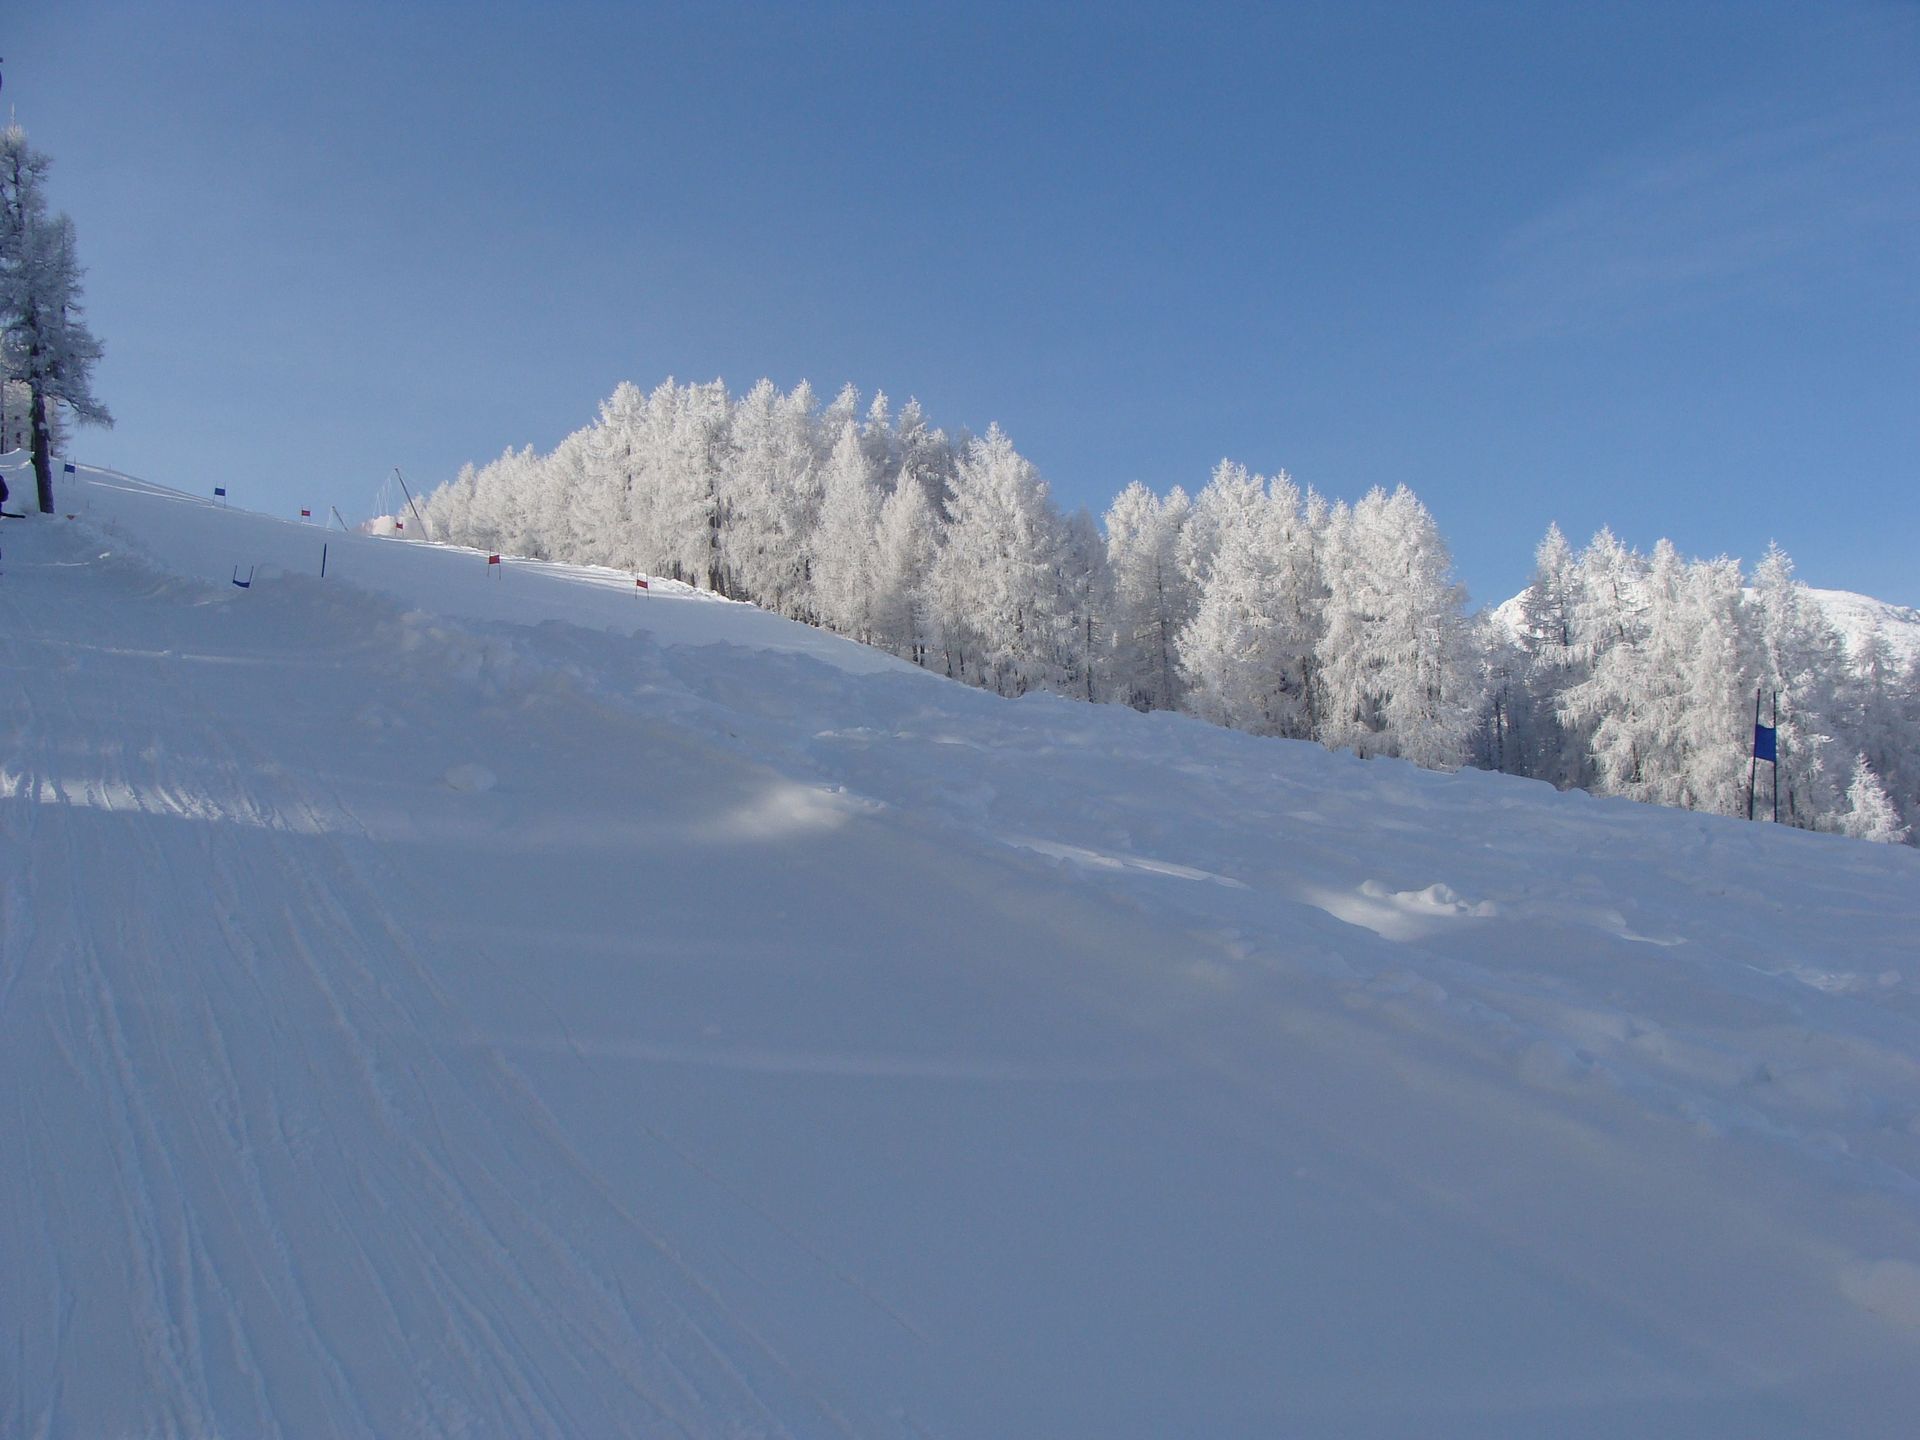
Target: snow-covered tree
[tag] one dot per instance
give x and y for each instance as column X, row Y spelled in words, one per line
column 45, row 344
column 993, row 592
column 1798, row 655
column 1250, row 604
column 1151, row 602
column 1395, row 659
column 773, row 498
column 925, row 453
column 1223, row 650
column 596, row 518
column 1886, row 722
column 877, row 439
column 1249, row 655
column 1084, row 588
column 903, row 556
column 1665, row 701
column 842, row 411
column 843, row 569
column 1550, row 660
column 1870, row 814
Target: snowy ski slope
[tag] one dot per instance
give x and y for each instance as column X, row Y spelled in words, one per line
column 434, row 1003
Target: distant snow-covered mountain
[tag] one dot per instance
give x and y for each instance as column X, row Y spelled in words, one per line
column 1857, row 617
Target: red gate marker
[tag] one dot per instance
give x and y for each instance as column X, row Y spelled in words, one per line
column 306, row 514
column 493, row 559
column 638, row 581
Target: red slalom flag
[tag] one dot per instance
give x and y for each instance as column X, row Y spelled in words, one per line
column 493, row 559
column 306, row 514
column 638, row 581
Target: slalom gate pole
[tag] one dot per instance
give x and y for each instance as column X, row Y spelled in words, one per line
column 410, row 505
column 1753, row 763
column 323, row 562
column 1776, row 757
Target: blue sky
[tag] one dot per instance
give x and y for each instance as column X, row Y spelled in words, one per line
column 1651, row 266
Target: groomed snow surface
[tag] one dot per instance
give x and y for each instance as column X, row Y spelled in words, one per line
column 435, row 1002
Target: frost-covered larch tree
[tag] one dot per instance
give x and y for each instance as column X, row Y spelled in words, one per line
column 1870, row 814
column 1550, row 662
column 1151, row 601
column 45, row 344
column 1084, row 588
column 1249, row 655
column 994, row 591
column 598, row 522
column 843, row 568
column 1250, row 604
column 1396, row 660
column 925, row 454
column 903, row 557
column 1223, row 650
column 773, row 499
column 1798, row 654
column 1665, row 702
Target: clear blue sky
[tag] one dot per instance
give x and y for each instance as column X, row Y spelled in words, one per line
column 1652, row 266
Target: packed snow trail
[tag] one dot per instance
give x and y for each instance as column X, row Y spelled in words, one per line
column 698, row 1026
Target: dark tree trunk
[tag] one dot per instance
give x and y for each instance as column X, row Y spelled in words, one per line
column 42, row 444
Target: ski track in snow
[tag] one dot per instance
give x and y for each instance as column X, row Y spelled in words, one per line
column 420, row 1016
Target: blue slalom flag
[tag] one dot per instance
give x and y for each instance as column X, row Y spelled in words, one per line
column 1765, row 743
column 220, row 491
column 68, row 467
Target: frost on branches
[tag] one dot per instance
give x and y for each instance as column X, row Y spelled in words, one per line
column 1251, row 604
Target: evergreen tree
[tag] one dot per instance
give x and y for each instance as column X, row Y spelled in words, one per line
column 1249, row 654
column 925, row 454
column 1395, row 658
column 1250, row 605
column 44, row 342
column 1870, row 814
column 1151, row 605
column 1887, row 722
column 843, row 569
column 773, row 498
column 1549, row 662
column 599, row 520
column 993, row 591
column 1084, row 598
column 1798, row 655
column 1666, row 701
column 904, row 552
column 878, row 441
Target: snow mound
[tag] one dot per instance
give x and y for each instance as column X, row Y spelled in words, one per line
column 470, row 778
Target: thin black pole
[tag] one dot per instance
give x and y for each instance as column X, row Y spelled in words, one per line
column 1753, row 765
column 1776, row 757
column 323, row 562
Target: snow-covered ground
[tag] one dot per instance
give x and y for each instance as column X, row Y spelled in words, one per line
column 443, row 1003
